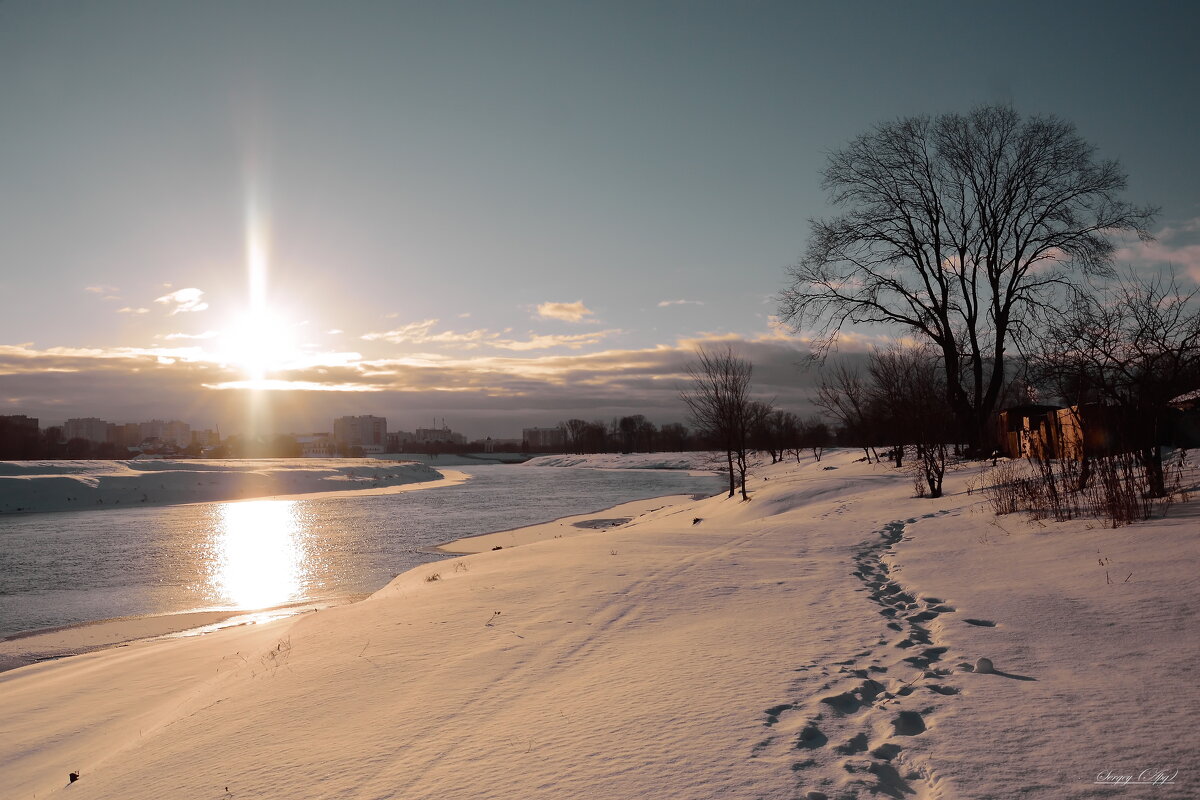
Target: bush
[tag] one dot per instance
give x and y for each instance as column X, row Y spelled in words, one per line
column 1114, row 487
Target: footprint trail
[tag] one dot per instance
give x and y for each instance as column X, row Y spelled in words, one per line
column 859, row 734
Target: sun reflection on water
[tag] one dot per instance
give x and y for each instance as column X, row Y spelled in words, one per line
column 261, row 558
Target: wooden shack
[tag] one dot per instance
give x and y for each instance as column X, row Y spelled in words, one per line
column 1183, row 420
column 1091, row 430
column 1029, row 429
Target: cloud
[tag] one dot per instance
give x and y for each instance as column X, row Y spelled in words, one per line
column 184, row 300
column 422, row 332
column 776, row 329
column 105, row 291
column 665, row 303
column 334, row 331
column 132, row 310
column 277, row 385
column 567, row 312
column 16, row 358
column 205, row 335
column 412, row 332
column 547, row 342
column 497, row 392
column 1176, row 245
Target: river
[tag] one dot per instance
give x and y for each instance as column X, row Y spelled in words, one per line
column 72, row 567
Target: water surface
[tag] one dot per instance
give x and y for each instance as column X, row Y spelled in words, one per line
column 71, row 567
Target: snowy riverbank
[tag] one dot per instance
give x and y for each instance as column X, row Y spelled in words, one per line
column 29, row 486
column 701, row 461
column 821, row 638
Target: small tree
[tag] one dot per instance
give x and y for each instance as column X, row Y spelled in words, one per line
column 845, row 395
column 636, row 434
column 891, row 402
column 759, row 434
column 673, row 436
column 573, row 434
column 1134, row 347
column 930, row 419
column 901, row 402
column 814, row 435
column 720, row 405
column 778, row 433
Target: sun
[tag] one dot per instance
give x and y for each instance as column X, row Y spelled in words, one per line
column 260, row 339
column 260, row 342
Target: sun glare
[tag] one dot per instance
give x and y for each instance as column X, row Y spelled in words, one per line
column 261, row 558
column 261, row 342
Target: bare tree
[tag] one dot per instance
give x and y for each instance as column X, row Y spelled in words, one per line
column 759, row 436
column 720, row 405
column 928, row 416
column 637, row 434
column 573, row 433
column 892, row 405
column 814, row 434
column 673, row 436
column 779, row 432
column 900, row 402
column 959, row 229
column 845, row 396
column 585, row 437
column 1134, row 347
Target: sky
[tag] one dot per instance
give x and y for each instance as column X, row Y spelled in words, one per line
column 500, row 214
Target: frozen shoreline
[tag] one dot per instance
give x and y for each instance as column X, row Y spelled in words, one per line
column 689, row 461
column 46, row 486
column 32, row 647
column 821, row 637
column 563, row 527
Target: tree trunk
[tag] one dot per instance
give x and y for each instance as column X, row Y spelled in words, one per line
column 1085, row 471
column 1151, row 458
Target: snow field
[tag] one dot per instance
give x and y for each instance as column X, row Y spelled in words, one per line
column 819, row 640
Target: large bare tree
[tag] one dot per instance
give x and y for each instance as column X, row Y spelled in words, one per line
column 959, row 229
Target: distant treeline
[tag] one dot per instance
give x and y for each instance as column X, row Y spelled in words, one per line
column 772, row 432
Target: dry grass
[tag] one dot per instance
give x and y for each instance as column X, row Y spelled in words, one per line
column 1113, row 488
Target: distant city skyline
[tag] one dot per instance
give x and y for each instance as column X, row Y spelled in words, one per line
column 353, row 434
column 99, row 429
column 270, row 214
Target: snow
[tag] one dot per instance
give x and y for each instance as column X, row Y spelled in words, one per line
column 820, row 640
column 456, row 459
column 27, row 486
column 560, row 528
column 700, row 461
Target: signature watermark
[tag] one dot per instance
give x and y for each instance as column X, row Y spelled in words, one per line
column 1147, row 777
